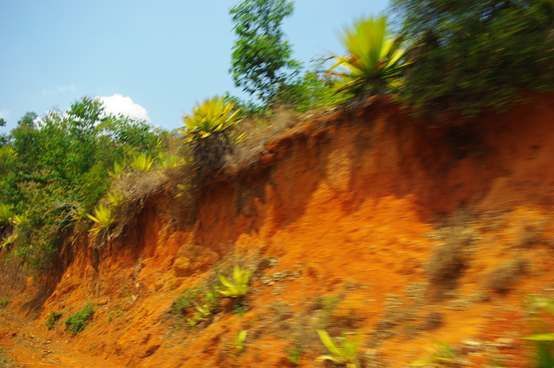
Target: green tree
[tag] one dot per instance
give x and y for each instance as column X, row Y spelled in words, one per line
column 3, row 138
column 54, row 170
column 472, row 55
column 262, row 58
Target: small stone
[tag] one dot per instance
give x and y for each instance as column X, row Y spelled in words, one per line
column 471, row 346
column 503, row 342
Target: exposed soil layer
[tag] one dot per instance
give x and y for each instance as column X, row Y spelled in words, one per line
column 367, row 222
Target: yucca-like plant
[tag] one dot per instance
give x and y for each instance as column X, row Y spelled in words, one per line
column 169, row 161
column 142, row 162
column 212, row 116
column 118, row 169
column 374, row 61
column 103, row 219
column 237, row 285
column 207, row 130
column 344, row 354
column 115, row 198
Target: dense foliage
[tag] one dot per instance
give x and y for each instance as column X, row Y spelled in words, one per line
column 467, row 56
column 262, row 57
column 54, row 170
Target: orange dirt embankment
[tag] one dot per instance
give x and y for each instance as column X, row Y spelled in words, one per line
column 344, row 206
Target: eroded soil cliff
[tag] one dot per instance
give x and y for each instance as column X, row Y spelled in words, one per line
column 367, row 222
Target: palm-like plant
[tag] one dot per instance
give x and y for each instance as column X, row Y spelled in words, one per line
column 142, row 162
column 237, row 286
column 374, row 61
column 209, row 117
column 345, row 354
column 103, row 219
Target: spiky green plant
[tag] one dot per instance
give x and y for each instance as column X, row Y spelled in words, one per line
column 103, row 219
column 209, row 117
column 142, row 162
column 115, row 198
column 344, row 354
column 237, row 285
column 374, row 61
column 169, row 161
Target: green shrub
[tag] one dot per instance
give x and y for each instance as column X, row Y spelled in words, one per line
column 375, row 59
column 53, row 173
column 52, row 319
column 311, row 92
column 475, row 55
column 79, row 321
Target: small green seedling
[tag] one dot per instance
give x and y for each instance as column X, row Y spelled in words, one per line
column 240, row 341
column 344, row 354
column 52, row 319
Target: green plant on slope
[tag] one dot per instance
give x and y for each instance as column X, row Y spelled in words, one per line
column 142, row 162
column 5, row 214
column 375, row 59
column 240, row 341
column 237, row 285
column 212, row 116
column 476, row 55
column 204, row 309
column 103, row 219
column 544, row 341
column 345, row 353
column 79, row 321
column 207, row 130
column 442, row 356
column 4, row 303
column 52, row 319
column 545, row 349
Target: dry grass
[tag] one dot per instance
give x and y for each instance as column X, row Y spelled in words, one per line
column 502, row 279
column 450, row 258
column 254, row 133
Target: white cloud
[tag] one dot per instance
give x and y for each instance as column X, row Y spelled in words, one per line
column 124, row 105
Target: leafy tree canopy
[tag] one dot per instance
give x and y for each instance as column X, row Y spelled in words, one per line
column 262, row 58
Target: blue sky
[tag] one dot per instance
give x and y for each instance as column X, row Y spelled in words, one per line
column 160, row 56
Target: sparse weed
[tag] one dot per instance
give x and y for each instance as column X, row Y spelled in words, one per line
column 52, row 319
column 345, row 353
column 79, row 321
column 442, row 356
column 4, row 302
